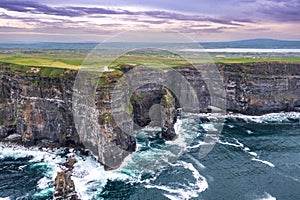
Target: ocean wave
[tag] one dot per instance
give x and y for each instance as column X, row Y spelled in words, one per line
column 287, row 117
column 184, row 192
column 236, row 144
column 254, row 155
column 282, row 117
column 89, row 175
column 90, row 178
column 39, row 156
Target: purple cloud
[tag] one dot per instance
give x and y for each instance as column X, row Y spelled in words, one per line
column 35, row 7
column 183, row 17
column 72, row 11
column 282, row 11
column 94, row 10
column 205, row 30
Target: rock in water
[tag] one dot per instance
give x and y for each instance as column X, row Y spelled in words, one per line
column 70, row 163
column 168, row 101
column 64, row 187
column 168, row 132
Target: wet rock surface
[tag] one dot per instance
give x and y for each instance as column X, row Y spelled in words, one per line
column 64, row 185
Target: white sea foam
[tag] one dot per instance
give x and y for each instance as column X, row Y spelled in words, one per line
column 197, row 162
column 247, row 149
column 181, row 140
column 200, row 143
column 209, row 127
column 44, row 183
column 184, row 192
column 88, row 172
column 21, row 167
column 267, row 118
column 237, row 144
column 5, row 198
column 266, row 196
column 264, row 162
column 253, row 154
column 39, row 157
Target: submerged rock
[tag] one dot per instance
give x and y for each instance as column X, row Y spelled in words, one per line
column 70, row 163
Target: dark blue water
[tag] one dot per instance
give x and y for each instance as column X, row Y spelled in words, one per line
column 253, row 158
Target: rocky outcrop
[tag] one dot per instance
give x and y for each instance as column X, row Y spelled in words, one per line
column 64, row 187
column 170, row 118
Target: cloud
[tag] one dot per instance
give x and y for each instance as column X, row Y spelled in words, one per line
column 204, row 30
column 37, row 8
column 282, row 11
column 73, row 11
column 198, row 18
column 69, row 11
column 227, row 17
column 258, row 29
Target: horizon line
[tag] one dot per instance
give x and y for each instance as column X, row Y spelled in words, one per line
column 86, row 42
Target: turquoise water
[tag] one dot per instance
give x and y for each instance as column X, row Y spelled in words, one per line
column 253, row 158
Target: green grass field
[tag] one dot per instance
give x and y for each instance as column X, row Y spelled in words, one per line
column 70, row 63
column 73, row 60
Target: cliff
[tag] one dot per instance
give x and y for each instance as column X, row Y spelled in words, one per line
column 36, row 108
column 260, row 88
column 36, row 104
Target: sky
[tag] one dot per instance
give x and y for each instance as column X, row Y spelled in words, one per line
column 97, row 20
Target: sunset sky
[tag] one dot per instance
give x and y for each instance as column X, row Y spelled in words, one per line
column 213, row 20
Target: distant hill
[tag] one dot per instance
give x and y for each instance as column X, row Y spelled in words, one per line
column 48, row 45
column 254, row 43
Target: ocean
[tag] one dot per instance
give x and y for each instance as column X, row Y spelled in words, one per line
column 254, row 157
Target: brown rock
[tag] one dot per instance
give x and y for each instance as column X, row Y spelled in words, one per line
column 64, row 187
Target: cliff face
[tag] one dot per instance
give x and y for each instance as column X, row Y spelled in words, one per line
column 37, row 109
column 260, row 88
